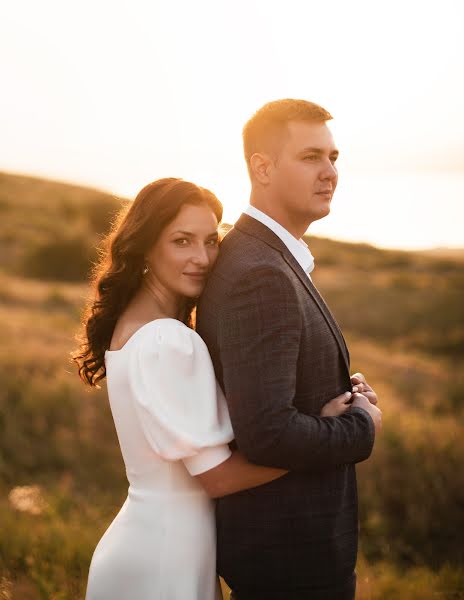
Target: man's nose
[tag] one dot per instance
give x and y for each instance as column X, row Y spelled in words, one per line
column 329, row 171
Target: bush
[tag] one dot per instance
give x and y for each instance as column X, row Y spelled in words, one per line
column 412, row 493
column 101, row 212
column 63, row 259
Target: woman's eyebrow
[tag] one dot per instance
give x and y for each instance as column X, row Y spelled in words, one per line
column 183, row 232
column 190, row 233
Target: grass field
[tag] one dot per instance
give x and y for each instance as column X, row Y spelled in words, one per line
column 61, row 475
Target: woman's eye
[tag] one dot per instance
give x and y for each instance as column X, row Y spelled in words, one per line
column 181, row 241
column 213, row 242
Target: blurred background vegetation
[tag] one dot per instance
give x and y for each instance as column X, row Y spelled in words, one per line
column 62, row 479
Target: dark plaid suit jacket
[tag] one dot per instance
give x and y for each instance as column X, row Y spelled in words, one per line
column 280, row 356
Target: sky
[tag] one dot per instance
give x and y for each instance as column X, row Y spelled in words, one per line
column 115, row 94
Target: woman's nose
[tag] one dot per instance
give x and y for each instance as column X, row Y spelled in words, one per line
column 201, row 256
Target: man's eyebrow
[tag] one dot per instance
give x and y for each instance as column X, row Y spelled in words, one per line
column 315, row 150
column 312, row 149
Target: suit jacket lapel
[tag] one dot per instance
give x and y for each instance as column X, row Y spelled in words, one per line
column 331, row 322
column 253, row 227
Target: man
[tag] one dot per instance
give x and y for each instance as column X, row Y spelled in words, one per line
column 280, row 356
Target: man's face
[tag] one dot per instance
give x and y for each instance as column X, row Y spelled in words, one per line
column 303, row 177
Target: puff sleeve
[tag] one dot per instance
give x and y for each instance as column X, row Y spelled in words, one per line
column 179, row 404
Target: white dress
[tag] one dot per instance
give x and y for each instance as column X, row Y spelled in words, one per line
column 172, row 423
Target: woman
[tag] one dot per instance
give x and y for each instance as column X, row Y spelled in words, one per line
column 170, row 415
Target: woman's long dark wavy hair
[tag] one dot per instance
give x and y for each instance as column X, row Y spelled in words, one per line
column 118, row 274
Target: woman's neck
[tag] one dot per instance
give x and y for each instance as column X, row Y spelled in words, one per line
column 160, row 302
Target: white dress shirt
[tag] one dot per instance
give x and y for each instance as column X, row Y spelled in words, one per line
column 298, row 248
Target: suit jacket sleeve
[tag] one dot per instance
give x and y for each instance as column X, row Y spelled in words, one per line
column 259, row 341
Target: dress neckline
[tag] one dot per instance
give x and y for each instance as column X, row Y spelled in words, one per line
column 136, row 332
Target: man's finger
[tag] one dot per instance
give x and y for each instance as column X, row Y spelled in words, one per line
column 356, row 381
column 360, row 377
column 358, row 396
column 371, row 396
column 365, row 386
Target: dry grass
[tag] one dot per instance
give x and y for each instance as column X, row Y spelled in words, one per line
column 403, row 318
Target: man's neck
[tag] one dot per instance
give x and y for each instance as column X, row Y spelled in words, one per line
column 295, row 229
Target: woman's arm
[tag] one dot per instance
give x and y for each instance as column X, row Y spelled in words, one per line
column 236, row 474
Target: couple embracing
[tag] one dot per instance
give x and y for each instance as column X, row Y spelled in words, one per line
column 229, row 384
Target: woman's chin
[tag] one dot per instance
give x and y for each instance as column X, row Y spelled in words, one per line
column 193, row 291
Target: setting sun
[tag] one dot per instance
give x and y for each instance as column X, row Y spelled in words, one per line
column 114, row 95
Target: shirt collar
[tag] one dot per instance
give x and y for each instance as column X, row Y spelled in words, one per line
column 298, row 248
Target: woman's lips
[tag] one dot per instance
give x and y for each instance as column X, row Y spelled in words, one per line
column 197, row 276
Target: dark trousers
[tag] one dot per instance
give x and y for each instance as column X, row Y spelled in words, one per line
column 344, row 591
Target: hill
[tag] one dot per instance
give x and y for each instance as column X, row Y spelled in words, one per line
column 451, row 253
column 50, row 230
column 61, row 475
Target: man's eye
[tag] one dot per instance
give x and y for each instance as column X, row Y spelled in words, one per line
column 311, row 157
column 333, row 159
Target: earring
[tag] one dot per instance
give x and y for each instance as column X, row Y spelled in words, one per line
column 145, row 269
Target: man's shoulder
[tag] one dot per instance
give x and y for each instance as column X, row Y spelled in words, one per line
column 243, row 251
column 236, row 236
column 243, row 259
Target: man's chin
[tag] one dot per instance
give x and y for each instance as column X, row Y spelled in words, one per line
column 320, row 214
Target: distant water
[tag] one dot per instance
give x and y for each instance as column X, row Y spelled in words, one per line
column 411, row 211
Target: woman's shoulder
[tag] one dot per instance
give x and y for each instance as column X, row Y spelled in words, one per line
column 161, row 336
column 166, row 352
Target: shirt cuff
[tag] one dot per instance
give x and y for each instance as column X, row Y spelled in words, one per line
column 207, row 459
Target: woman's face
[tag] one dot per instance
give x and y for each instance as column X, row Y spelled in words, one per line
column 185, row 251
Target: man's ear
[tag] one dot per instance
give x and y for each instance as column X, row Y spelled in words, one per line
column 260, row 167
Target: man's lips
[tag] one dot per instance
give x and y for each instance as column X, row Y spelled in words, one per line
column 325, row 193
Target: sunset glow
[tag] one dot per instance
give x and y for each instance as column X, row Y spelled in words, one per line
column 116, row 94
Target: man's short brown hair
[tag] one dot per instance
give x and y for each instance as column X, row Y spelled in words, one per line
column 271, row 120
